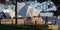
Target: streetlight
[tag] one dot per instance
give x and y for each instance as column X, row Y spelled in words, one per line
column 16, row 12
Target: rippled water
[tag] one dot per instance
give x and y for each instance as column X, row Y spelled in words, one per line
column 57, row 22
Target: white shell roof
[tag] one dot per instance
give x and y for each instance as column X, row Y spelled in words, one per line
column 27, row 11
column 31, row 9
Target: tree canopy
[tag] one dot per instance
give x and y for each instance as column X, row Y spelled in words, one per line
column 57, row 3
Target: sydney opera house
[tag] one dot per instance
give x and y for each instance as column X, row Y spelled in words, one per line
column 29, row 13
column 28, row 10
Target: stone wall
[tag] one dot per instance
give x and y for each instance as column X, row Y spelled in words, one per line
column 32, row 21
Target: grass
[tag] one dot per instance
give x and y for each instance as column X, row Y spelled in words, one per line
column 23, row 27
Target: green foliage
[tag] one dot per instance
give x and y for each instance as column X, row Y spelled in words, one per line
column 23, row 27
column 57, row 12
column 41, row 1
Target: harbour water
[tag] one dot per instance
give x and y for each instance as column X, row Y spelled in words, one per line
column 57, row 22
column 53, row 20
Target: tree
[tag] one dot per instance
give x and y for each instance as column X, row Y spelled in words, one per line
column 57, row 3
column 57, row 12
column 16, row 12
column 3, row 1
column 41, row 1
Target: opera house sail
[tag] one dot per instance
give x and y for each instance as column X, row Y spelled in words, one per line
column 31, row 8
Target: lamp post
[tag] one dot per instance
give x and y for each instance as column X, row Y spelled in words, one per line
column 16, row 12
